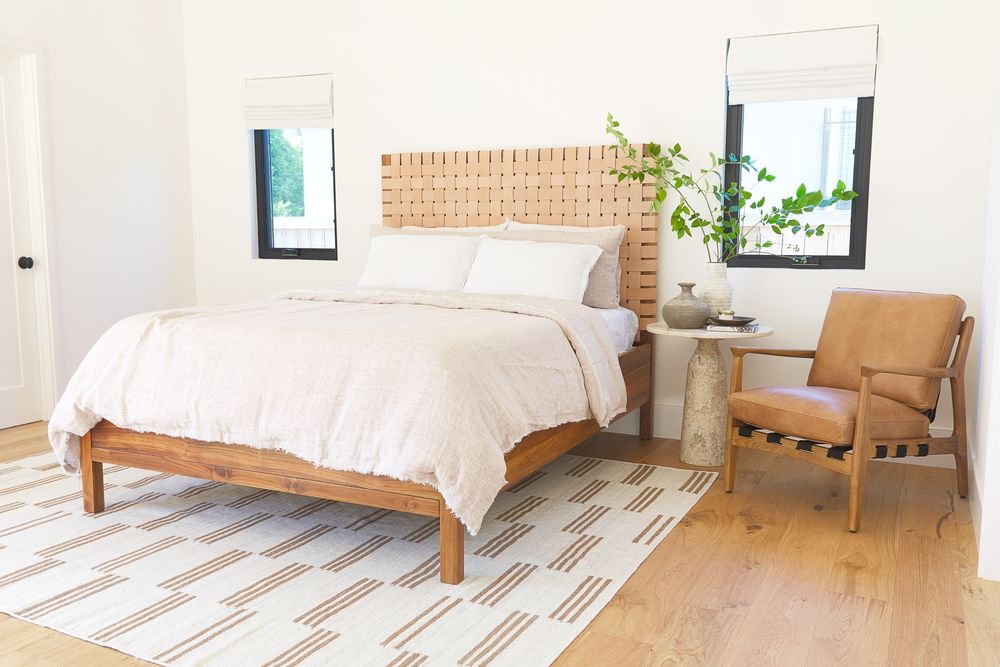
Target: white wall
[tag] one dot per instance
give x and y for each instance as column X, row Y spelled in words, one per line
column 454, row 75
column 117, row 135
column 985, row 491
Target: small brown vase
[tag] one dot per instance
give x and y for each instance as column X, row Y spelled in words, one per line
column 685, row 311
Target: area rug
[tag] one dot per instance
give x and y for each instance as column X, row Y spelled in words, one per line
column 180, row 571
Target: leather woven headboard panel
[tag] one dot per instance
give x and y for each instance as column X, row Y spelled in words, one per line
column 554, row 186
column 876, row 328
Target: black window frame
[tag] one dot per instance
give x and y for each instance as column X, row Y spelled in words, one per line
column 859, row 205
column 265, row 229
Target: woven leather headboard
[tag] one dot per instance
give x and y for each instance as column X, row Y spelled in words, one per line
column 554, row 186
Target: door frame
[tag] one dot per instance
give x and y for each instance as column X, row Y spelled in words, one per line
column 30, row 59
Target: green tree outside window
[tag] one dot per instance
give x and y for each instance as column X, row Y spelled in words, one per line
column 287, row 188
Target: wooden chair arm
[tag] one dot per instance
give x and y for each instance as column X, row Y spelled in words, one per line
column 872, row 371
column 773, row 352
column 736, row 381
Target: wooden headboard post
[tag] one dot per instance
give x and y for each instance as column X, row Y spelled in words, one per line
column 552, row 186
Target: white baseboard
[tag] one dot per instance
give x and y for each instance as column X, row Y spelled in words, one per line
column 666, row 421
column 667, row 417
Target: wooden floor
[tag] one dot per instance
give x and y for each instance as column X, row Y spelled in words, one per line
column 767, row 575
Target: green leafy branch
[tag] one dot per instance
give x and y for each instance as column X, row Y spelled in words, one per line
column 719, row 212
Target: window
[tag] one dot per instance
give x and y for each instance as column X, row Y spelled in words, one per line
column 296, row 203
column 816, row 142
column 800, row 104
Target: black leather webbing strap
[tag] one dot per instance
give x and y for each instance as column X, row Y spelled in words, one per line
column 774, row 438
column 881, row 451
column 837, row 452
column 922, row 450
column 805, row 445
column 746, row 431
column 900, row 452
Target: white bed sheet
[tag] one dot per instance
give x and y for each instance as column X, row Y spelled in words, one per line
column 622, row 325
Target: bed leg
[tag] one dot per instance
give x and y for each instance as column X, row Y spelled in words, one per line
column 92, row 473
column 452, row 547
column 646, row 421
column 646, row 409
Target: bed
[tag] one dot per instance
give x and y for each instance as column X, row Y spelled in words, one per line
column 558, row 186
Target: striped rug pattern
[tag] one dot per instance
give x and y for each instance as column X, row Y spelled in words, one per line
column 179, row 571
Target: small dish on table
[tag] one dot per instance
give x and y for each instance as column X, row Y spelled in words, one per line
column 733, row 321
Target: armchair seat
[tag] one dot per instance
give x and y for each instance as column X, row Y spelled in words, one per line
column 824, row 414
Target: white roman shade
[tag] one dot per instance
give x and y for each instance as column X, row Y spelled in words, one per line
column 289, row 102
column 802, row 65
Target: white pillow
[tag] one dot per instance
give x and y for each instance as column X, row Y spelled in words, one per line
column 603, row 290
column 531, row 268
column 433, row 262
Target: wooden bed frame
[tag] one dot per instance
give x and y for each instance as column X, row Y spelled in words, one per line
column 558, row 186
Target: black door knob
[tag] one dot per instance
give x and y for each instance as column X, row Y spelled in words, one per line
column 25, row 262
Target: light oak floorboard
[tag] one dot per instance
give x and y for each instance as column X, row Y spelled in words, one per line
column 597, row 648
column 765, row 575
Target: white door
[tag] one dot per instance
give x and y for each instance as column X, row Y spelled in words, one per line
column 20, row 376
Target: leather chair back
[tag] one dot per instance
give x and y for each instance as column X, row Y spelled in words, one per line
column 878, row 328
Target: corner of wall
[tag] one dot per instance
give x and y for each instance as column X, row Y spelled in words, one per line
column 985, row 448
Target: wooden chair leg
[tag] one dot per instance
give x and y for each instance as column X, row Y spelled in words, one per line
column 958, row 414
column 962, row 467
column 732, row 451
column 646, row 420
column 962, row 470
column 856, row 497
column 452, row 547
column 92, row 473
column 859, row 456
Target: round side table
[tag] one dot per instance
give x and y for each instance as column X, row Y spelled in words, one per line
column 703, row 431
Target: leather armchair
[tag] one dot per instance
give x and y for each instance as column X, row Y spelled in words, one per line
column 872, row 390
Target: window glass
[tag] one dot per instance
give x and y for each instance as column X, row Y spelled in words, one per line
column 811, row 142
column 302, row 206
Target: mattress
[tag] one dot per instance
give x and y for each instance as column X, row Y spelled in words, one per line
column 622, row 325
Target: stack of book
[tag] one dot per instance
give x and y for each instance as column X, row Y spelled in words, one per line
column 747, row 328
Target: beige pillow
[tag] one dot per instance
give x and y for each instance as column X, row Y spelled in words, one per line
column 605, row 277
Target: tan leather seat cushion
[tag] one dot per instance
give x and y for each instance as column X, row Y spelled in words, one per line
column 824, row 414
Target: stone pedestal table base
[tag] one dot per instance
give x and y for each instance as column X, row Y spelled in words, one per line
column 703, row 433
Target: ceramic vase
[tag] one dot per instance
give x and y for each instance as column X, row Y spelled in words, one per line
column 685, row 311
column 716, row 290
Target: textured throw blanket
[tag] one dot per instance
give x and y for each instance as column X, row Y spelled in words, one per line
column 424, row 387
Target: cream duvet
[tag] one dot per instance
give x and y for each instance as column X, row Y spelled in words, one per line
column 425, row 387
